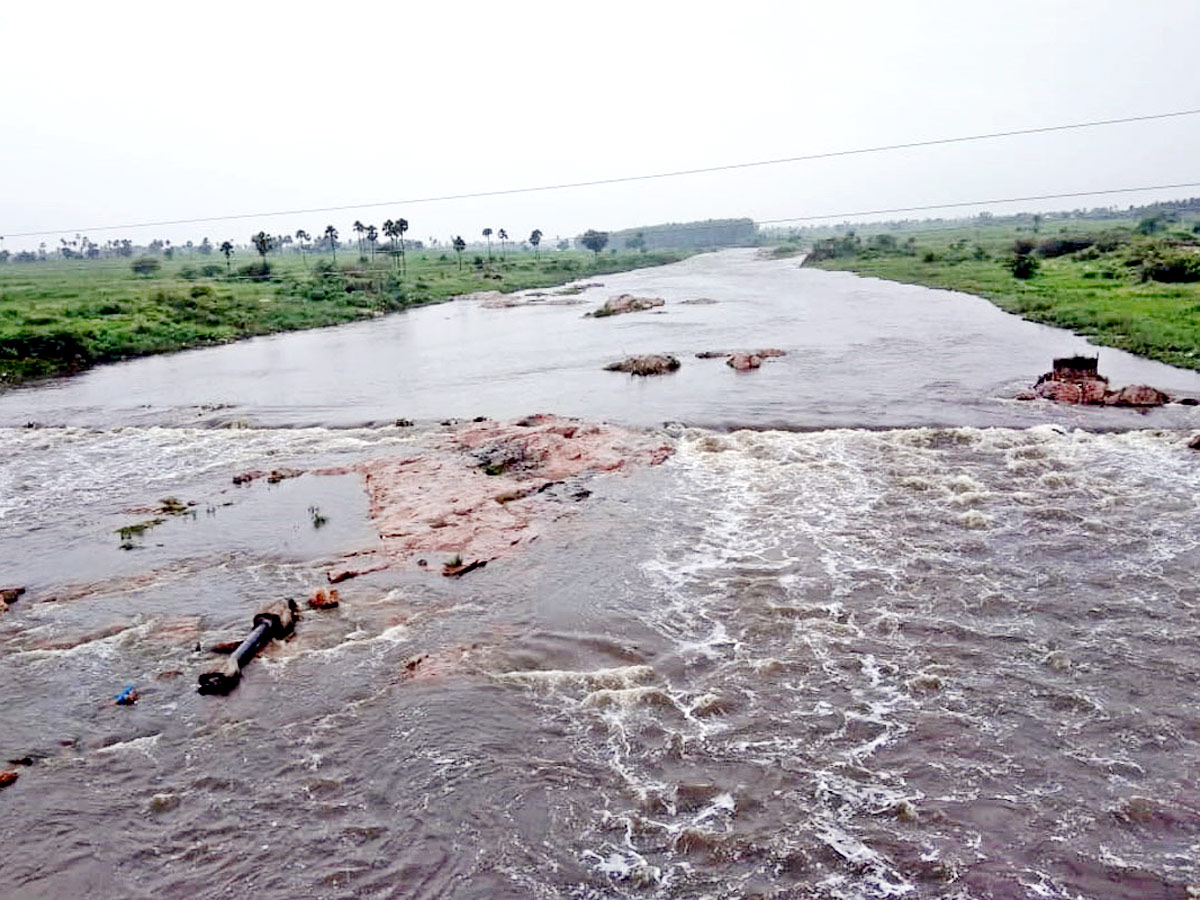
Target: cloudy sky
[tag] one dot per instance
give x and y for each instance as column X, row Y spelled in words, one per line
column 115, row 114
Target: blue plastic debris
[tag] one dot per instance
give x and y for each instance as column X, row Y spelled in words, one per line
column 127, row 697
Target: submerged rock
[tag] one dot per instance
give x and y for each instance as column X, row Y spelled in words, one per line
column 337, row 576
column 625, row 303
column 742, row 359
column 9, row 595
column 653, row 364
column 456, row 568
column 483, row 296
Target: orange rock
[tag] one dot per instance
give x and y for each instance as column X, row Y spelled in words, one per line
column 459, row 498
column 7, row 777
column 319, row 599
column 744, row 362
column 1137, row 395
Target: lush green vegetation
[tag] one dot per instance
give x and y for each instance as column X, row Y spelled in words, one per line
column 60, row 315
column 1132, row 282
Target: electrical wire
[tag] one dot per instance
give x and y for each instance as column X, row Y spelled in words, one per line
column 885, row 148
column 962, row 203
column 726, row 223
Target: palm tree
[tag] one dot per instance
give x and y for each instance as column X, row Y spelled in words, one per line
column 359, row 228
column 487, row 233
column 535, row 238
column 503, row 235
column 262, row 243
column 459, row 246
column 332, row 234
column 372, row 236
column 303, row 236
column 227, row 249
column 401, row 227
column 389, row 231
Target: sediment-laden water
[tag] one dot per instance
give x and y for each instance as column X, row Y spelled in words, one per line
column 952, row 657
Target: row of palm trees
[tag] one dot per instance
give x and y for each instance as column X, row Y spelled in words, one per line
column 393, row 230
column 368, row 236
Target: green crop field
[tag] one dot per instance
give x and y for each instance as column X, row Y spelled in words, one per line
column 64, row 315
column 1127, row 283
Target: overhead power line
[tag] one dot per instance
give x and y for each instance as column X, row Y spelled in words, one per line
column 993, row 202
column 832, row 154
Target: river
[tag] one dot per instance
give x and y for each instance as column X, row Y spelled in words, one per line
column 875, row 629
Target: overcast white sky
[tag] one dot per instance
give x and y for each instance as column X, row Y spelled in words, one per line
column 132, row 112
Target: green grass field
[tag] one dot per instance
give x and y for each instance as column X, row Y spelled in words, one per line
column 61, row 316
column 1107, row 292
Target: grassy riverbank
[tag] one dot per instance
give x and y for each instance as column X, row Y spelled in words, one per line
column 1107, row 280
column 61, row 316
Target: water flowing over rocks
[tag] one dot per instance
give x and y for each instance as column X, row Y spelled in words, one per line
column 841, row 652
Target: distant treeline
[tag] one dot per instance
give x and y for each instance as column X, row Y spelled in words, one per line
column 687, row 235
column 1165, row 212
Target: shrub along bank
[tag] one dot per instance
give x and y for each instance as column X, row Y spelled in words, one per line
column 1130, row 285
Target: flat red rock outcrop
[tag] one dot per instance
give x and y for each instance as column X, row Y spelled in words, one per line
column 484, row 489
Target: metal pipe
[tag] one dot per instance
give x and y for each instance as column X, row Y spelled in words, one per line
column 275, row 622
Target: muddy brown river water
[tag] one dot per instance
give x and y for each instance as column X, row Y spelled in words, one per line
column 875, row 628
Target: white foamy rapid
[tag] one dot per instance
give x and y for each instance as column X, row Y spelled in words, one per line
column 877, row 639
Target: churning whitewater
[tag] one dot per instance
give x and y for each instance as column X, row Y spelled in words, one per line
column 762, row 646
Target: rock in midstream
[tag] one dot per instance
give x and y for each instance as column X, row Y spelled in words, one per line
column 653, row 364
column 625, row 303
